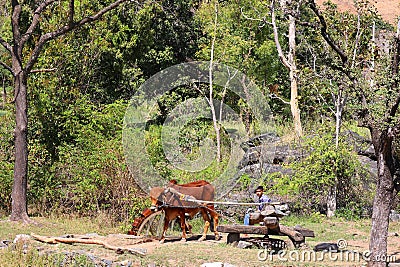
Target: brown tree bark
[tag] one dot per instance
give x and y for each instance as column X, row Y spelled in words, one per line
column 383, row 130
column 19, row 210
column 20, row 72
column 383, row 200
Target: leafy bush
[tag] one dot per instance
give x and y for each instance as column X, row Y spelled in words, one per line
column 190, row 137
column 325, row 166
column 88, row 174
column 6, row 157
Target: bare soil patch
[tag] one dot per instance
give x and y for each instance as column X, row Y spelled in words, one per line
column 193, row 253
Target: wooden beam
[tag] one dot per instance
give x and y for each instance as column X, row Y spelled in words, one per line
column 243, row 229
column 305, row 232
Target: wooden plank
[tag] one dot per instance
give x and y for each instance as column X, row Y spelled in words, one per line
column 281, row 230
column 304, row 231
column 273, row 213
column 271, row 222
column 288, row 231
column 243, row 229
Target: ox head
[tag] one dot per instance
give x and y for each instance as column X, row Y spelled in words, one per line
column 156, row 197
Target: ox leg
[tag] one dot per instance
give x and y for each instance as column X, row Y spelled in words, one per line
column 183, row 226
column 166, row 224
column 206, row 225
column 214, row 215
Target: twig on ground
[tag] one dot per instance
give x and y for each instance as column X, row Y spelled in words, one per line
column 105, row 244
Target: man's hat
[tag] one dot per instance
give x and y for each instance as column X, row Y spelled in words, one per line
column 259, row 188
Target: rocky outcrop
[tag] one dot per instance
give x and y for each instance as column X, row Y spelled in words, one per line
column 266, row 154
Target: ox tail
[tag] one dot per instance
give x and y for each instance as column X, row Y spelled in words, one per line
column 212, row 225
column 211, row 220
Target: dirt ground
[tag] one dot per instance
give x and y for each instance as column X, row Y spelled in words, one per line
column 190, row 253
column 194, row 253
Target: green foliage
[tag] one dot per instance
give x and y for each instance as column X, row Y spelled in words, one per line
column 76, row 163
column 87, row 174
column 190, row 137
column 20, row 256
column 317, row 217
column 6, row 156
column 243, row 42
column 323, row 167
column 353, row 211
column 245, row 181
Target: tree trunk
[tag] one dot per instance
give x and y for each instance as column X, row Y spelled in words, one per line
column 20, row 73
column 19, row 211
column 290, row 64
column 383, row 198
column 210, row 100
column 339, row 101
column 294, row 103
column 331, row 201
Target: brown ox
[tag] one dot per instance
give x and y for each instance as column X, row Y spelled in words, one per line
column 138, row 221
column 175, row 205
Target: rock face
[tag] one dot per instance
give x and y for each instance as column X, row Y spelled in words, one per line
column 266, row 153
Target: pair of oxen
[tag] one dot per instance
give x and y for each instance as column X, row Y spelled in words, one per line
column 182, row 200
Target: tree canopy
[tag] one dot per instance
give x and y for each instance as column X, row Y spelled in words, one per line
column 66, row 83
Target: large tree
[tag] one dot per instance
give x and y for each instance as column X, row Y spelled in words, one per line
column 371, row 76
column 290, row 60
column 33, row 25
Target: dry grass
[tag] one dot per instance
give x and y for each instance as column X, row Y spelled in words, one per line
column 175, row 253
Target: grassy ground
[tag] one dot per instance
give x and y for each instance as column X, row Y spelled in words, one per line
column 175, row 253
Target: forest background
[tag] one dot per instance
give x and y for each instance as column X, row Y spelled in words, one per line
column 77, row 106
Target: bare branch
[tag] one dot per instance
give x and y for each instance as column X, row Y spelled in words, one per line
column 65, row 29
column 230, row 78
column 43, row 70
column 35, row 20
column 4, row 65
column 16, row 14
column 358, row 36
column 71, row 13
column 276, row 38
column 325, row 34
column 395, row 72
column 262, row 20
column 5, row 45
column 274, row 96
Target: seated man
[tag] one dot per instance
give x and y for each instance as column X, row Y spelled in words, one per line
column 261, row 199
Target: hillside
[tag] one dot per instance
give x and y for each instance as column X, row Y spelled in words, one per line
column 388, row 9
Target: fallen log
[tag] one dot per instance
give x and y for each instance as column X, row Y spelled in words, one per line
column 288, row 231
column 271, row 222
column 243, row 229
column 90, row 241
column 305, row 232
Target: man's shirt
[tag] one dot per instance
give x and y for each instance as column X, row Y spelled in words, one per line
column 263, row 199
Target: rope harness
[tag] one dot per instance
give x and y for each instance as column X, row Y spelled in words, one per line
column 188, row 198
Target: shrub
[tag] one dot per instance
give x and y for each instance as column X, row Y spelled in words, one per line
column 325, row 166
column 6, row 157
